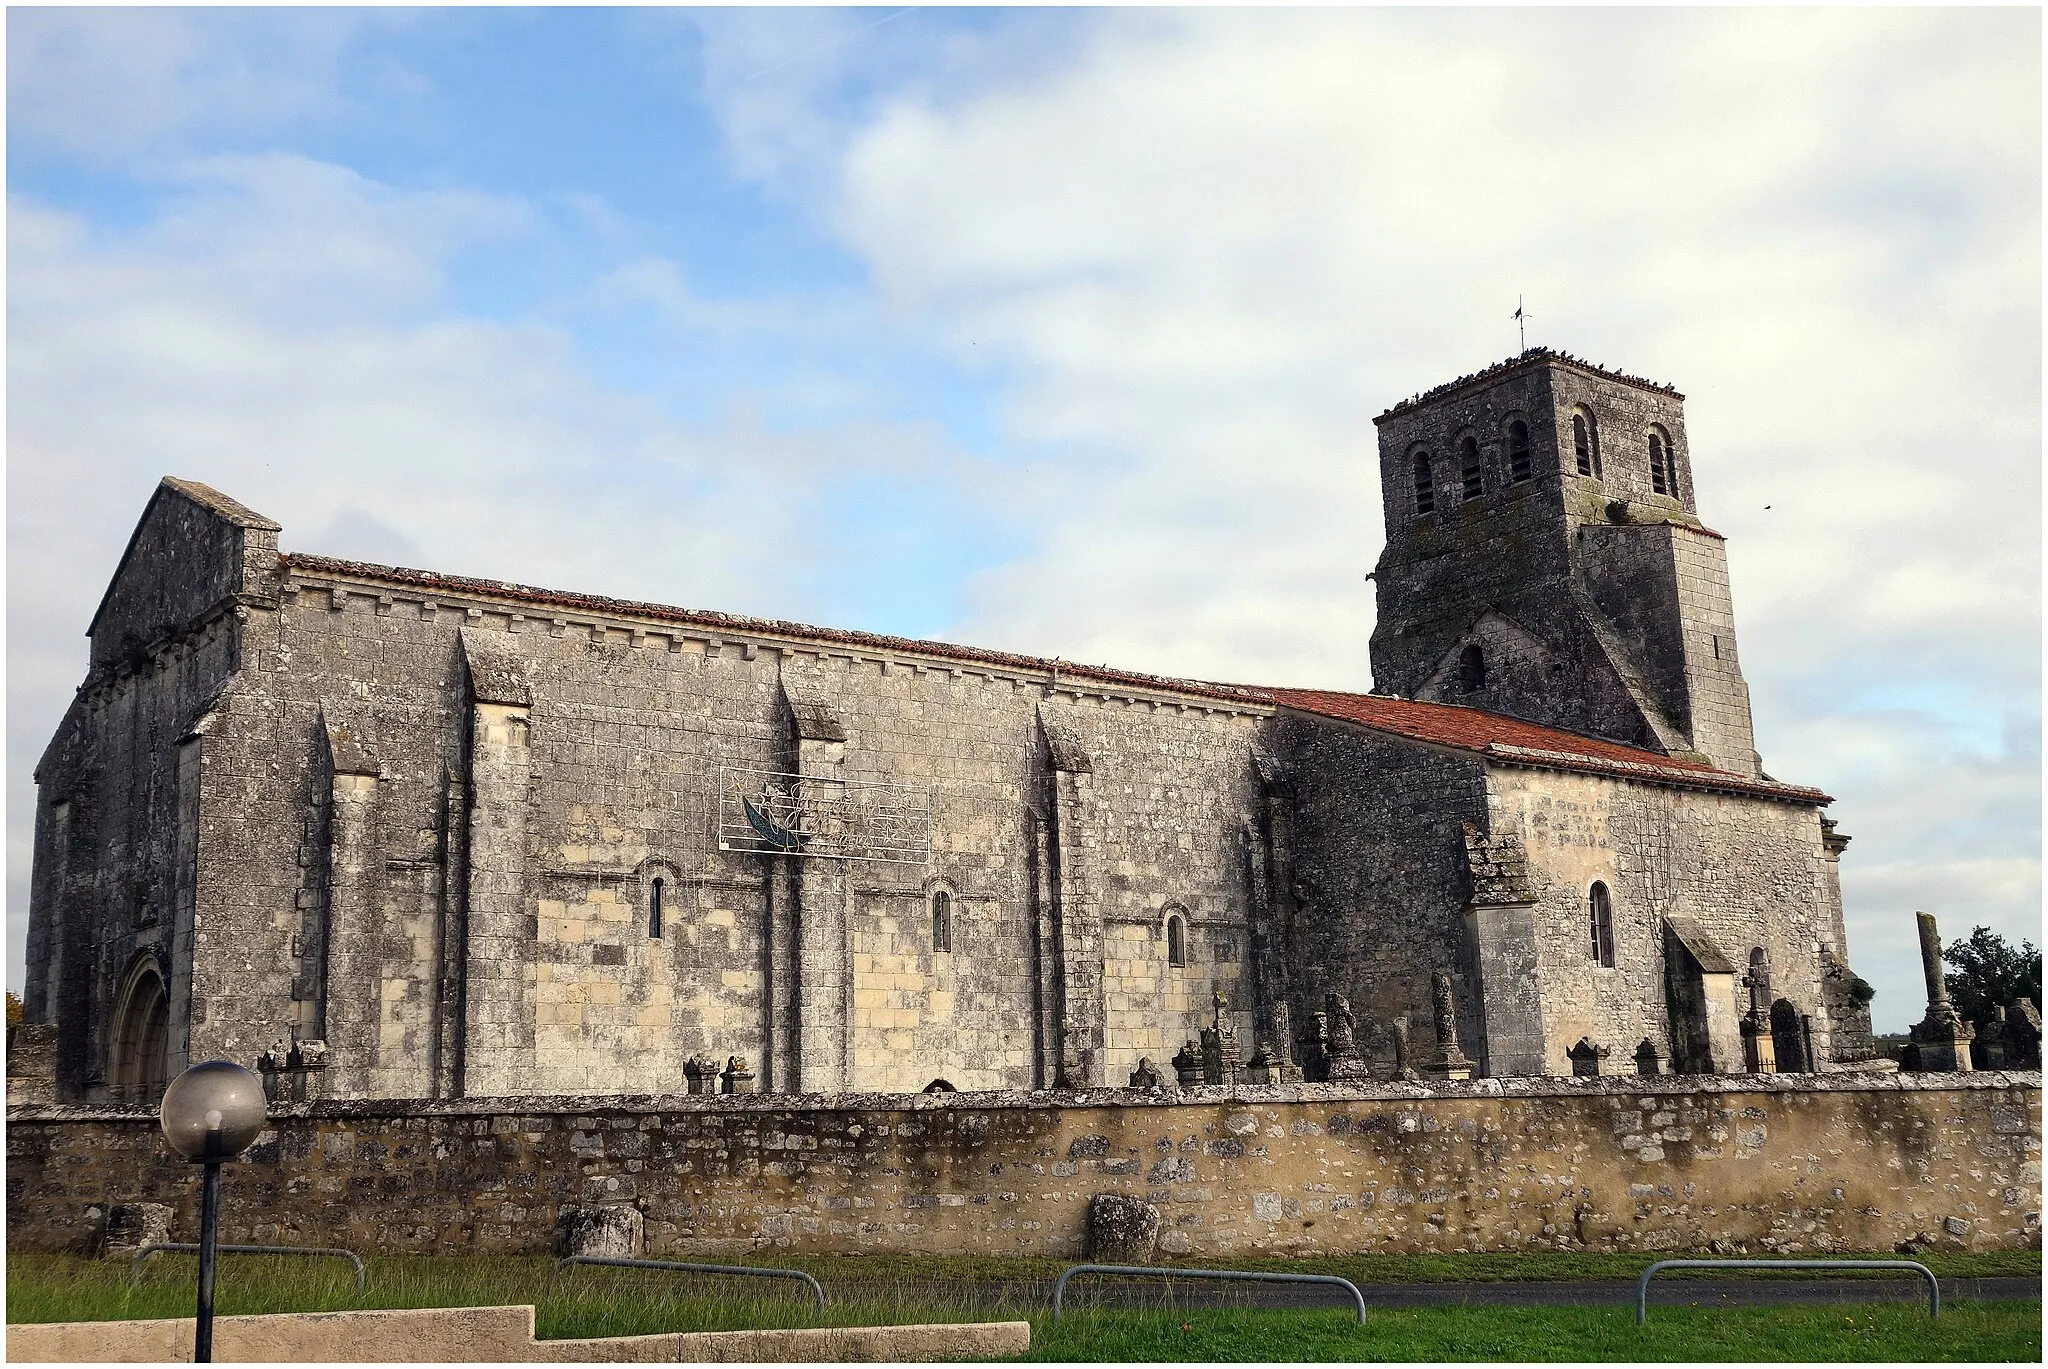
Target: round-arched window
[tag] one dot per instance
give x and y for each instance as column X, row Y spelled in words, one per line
column 1663, row 476
column 1425, row 485
column 1600, row 908
column 1586, row 443
column 1471, row 470
column 1176, row 940
column 1472, row 667
column 942, row 920
column 1518, row 452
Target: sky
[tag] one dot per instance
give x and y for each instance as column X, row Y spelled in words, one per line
column 1061, row 331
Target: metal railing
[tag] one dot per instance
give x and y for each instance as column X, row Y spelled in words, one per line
column 679, row 1268
column 1643, row 1282
column 187, row 1248
column 1059, row 1288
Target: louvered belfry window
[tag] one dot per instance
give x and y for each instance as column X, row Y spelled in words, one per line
column 1518, row 452
column 1660, row 465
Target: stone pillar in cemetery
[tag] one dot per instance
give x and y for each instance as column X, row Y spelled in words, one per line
column 1942, row 1038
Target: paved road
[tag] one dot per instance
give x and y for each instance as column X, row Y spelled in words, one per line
column 1665, row 1291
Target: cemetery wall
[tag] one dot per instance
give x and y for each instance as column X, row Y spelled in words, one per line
column 1751, row 1163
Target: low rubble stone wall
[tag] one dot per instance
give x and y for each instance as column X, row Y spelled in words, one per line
column 1755, row 1163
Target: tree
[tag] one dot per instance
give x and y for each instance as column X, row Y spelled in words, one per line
column 1990, row 973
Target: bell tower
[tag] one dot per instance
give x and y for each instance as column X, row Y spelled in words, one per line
column 1545, row 559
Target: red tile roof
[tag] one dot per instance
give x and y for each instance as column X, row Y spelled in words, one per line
column 1515, row 742
column 1492, row 735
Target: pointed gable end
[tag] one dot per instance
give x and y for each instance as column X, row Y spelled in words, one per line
column 195, row 552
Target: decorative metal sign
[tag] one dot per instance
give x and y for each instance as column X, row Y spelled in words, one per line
column 780, row 814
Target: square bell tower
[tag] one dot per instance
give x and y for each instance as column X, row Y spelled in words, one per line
column 1545, row 559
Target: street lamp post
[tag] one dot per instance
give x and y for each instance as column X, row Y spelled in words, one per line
column 210, row 1114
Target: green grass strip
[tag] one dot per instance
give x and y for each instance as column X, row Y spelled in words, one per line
column 879, row 1290
column 1981, row 1331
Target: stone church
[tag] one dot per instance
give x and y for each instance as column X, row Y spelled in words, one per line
column 403, row 834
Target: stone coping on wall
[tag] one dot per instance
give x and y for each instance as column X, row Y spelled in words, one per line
column 493, row 1335
column 1390, row 1091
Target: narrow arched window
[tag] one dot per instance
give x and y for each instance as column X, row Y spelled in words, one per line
column 942, row 920
column 1518, row 452
column 1425, row 485
column 654, row 892
column 1586, row 443
column 1471, row 471
column 1660, row 464
column 1176, row 941
column 1601, row 909
column 1472, row 667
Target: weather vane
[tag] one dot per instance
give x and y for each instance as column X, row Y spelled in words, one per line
column 1522, row 317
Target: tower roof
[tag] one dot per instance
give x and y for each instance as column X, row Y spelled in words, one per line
column 1535, row 356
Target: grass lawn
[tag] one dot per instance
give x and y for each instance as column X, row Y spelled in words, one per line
column 1966, row 1331
column 887, row 1289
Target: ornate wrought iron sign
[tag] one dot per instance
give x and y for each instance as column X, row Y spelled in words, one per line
column 774, row 813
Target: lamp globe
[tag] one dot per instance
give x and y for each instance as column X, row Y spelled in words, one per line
column 213, row 1111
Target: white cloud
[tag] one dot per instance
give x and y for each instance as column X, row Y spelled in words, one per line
column 1197, row 251
column 283, row 331
column 106, row 84
column 1215, row 243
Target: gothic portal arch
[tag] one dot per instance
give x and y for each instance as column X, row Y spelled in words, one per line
column 138, row 1057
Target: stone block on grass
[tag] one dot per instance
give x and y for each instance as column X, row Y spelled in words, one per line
column 612, row 1231
column 131, row 1226
column 1121, row 1229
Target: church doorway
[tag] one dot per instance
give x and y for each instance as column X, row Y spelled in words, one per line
column 1789, row 1038
column 138, row 1068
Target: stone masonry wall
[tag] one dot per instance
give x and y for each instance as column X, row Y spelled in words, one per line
column 1383, row 882
column 1754, row 1164
column 1750, row 872
column 602, row 777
